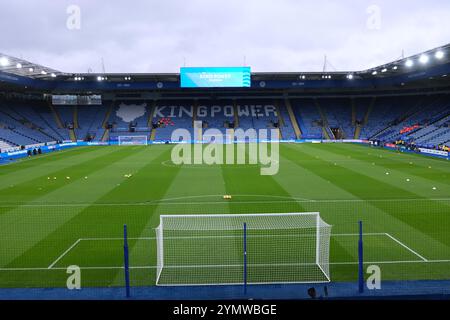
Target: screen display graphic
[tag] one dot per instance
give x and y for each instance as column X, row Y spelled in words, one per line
column 216, row 77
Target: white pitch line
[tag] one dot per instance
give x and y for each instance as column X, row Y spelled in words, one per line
column 153, row 267
column 64, row 253
column 153, row 238
column 406, row 247
column 357, row 234
column 234, row 236
column 100, row 239
column 163, row 202
column 388, row 262
column 84, row 268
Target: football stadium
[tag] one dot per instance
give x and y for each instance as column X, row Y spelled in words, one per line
column 225, row 182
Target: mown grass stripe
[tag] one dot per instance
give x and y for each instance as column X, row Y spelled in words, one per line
column 39, row 168
column 31, row 229
column 384, row 216
column 430, row 169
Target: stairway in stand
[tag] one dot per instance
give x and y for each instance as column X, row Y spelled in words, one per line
column 295, row 125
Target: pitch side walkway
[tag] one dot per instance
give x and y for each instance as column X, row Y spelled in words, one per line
column 429, row 289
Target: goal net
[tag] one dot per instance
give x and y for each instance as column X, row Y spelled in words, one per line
column 209, row 249
column 132, row 140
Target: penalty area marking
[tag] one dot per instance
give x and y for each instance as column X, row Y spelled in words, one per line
column 64, row 253
column 406, row 247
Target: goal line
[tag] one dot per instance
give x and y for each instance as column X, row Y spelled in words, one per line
column 73, row 246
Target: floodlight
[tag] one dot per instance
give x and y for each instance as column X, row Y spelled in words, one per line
column 4, row 61
column 374, row 73
column 19, row 66
column 350, row 76
column 409, row 63
column 439, row 54
column 424, row 59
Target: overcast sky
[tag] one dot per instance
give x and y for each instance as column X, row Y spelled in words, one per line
column 277, row 35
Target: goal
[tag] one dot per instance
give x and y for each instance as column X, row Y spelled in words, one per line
column 233, row 249
column 132, row 140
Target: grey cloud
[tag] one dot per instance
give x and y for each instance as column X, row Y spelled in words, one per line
column 155, row 36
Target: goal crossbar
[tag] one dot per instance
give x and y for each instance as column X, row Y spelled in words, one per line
column 236, row 215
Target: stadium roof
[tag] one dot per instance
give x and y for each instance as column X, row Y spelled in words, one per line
column 431, row 58
column 20, row 67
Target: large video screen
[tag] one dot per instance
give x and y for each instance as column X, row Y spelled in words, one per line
column 76, row 100
column 215, row 77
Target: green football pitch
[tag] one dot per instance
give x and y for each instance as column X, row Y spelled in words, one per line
column 69, row 207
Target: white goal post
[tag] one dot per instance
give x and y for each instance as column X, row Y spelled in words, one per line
column 209, row 249
column 132, row 140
